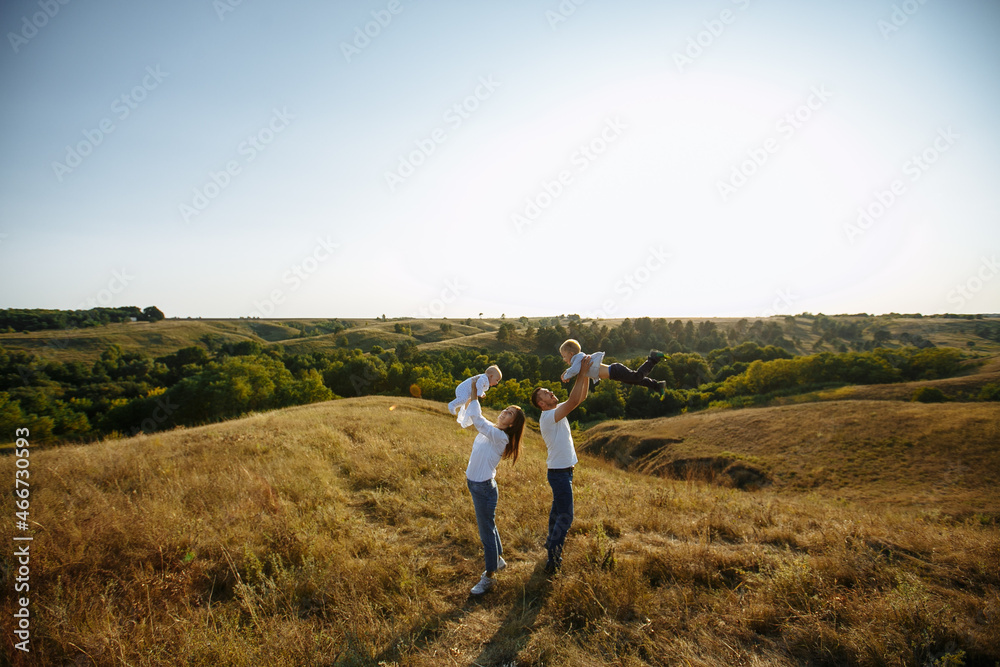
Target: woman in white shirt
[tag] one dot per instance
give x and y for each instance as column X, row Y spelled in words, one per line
column 493, row 444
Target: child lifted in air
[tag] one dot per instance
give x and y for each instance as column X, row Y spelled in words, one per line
column 573, row 355
column 471, row 388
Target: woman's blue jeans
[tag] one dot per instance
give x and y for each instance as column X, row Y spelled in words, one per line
column 561, row 514
column 484, row 499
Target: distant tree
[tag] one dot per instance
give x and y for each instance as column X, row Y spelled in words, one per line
column 689, row 370
column 153, row 314
column 990, row 392
column 406, row 350
column 550, row 338
column 505, row 332
column 243, row 348
column 929, row 395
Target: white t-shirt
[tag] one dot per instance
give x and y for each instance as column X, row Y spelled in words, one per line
column 594, row 373
column 487, row 448
column 471, row 387
column 558, row 440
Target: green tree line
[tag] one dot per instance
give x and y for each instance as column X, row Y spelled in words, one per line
column 35, row 319
column 129, row 392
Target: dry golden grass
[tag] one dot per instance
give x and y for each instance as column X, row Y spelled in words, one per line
column 942, row 458
column 342, row 534
column 154, row 339
column 485, row 340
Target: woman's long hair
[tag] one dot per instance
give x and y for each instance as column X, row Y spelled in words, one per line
column 514, row 432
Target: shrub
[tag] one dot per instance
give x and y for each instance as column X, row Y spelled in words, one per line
column 929, row 395
column 990, row 392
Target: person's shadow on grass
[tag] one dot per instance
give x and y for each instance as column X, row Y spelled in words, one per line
column 512, row 635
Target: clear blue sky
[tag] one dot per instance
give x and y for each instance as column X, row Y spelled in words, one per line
column 529, row 158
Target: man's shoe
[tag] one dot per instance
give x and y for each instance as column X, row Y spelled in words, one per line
column 656, row 355
column 551, row 566
column 485, row 584
column 661, row 388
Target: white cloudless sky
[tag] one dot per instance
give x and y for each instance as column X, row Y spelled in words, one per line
column 225, row 159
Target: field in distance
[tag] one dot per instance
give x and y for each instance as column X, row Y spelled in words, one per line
column 301, row 336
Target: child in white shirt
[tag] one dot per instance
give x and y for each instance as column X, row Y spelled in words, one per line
column 473, row 388
column 572, row 355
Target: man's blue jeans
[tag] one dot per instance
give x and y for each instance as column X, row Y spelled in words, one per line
column 484, row 499
column 561, row 515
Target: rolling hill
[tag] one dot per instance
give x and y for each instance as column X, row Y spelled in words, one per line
column 936, row 457
column 341, row 533
column 166, row 336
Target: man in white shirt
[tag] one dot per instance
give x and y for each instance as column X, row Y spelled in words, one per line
column 558, row 437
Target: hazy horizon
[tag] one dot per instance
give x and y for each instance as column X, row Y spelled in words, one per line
column 728, row 159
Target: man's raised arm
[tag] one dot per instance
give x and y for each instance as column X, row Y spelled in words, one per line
column 579, row 391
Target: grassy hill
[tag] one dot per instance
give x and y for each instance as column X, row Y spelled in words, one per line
column 341, row 533
column 155, row 339
column 867, row 443
column 962, row 386
column 935, row 457
column 167, row 336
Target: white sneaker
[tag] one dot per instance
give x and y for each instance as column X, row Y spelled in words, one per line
column 484, row 585
column 501, row 565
